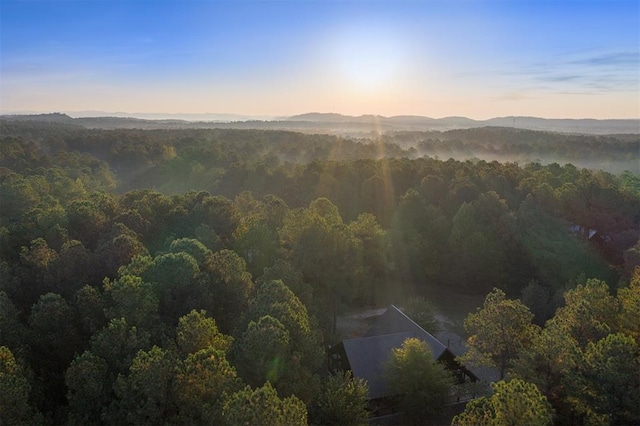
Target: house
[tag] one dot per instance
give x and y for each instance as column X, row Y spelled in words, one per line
column 366, row 356
column 601, row 242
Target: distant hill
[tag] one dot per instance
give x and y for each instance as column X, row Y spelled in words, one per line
column 331, row 123
column 55, row 117
column 407, row 122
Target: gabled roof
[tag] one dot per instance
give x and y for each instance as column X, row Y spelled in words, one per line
column 394, row 321
column 367, row 355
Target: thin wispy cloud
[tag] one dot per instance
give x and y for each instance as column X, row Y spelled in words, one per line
column 612, row 71
column 617, row 59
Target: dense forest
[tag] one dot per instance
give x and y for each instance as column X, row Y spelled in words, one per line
column 195, row 276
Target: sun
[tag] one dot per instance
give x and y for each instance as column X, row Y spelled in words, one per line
column 368, row 60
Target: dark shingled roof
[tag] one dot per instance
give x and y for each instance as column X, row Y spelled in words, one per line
column 395, row 321
column 367, row 355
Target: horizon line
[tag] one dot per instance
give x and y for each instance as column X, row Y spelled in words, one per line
column 251, row 117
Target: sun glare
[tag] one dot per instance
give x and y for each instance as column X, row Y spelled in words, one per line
column 368, row 60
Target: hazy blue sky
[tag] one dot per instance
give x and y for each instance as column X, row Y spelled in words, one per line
column 436, row 58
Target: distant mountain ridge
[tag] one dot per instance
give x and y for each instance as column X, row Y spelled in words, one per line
column 333, row 123
column 587, row 125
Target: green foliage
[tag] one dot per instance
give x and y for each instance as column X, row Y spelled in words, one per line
column 88, row 218
column 417, row 234
column 327, row 253
column 173, row 278
column 538, row 299
column 557, row 255
column 14, row 391
column 359, row 222
column 422, row 384
column 477, row 412
column 607, row 386
column 585, row 360
column 291, row 277
column 53, row 325
column 262, row 406
column 118, row 248
column 89, row 389
column 130, row 298
column 499, row 331
column 143, row 397
column 230, row 286
column 256, row 243
column 552, row 357
column 200, row 382
column 71, row 269
column 196, row 332
column 590, row 312
column 262, row 352
column 305, row 354
column 277, row 300
column 514, row 402
column 372, row 285
column 89, row 305
column 477, row 257
column 192, row 247
column 631, row 258
column 12, row 332
column 341, row 400
column 219, row 213
column 118, row 344
column 172, row 271
column 422, row 313
column 629, row 299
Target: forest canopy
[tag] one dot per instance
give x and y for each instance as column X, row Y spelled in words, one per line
column 181, row 274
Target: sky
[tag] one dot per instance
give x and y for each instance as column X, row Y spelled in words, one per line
column 473, row 58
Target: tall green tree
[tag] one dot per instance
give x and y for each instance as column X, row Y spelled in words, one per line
column 514, row 402
column 262, row 406
column 196, row 332
column 14, row 391
column 256, row 243
column 551, row 359
column 12, row 331
column 130, row 298
column 89, row 389
column 341, row 400
column 327, row 253
column 200, row 383
column 477, row 257
column 606, row 389
column 304, row 355
column 173, row 277
column 417, row 234
column 56, row 340
column 117, row 248
column 555, row 255
column 143, row 397
column 118, row 343
column 291, row 277
column 538, row 299
column 629, row 300
column 227, row 288
column 499, row 331
column 422, row 384
column 89, row 305
column 262, row 352
column 371, row 286
column 590, row 312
